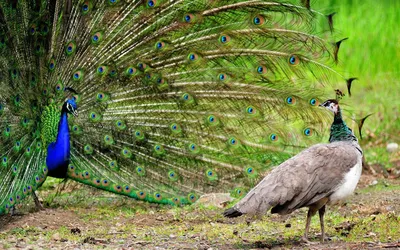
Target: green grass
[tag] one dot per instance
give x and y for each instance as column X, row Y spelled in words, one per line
column 372, row 54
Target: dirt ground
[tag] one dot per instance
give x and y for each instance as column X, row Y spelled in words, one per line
column 369, row 220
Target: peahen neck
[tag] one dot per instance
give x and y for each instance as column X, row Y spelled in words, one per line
column 58, row 152
column 339, row 129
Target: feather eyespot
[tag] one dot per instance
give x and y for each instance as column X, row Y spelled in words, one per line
column 308, row 132
column 151, row 3
column 120, row 124
column 158, row 149
column 211, row 175
column 97, row 37
column 140, row 171
column 313, row 102
column 273, row 137
column 258, row 20
column 85, row 8
column 251, row 172
column 193, row 57
column 157, row 196
column 160, row 45
column 141, row 194
column 212, row 120
column 102, row 70
column 70, row 48
column 251, row 110
column 52, row 64
column 172, row 176
column 193, row 148
column 188, row 18
column 77, row 75
column 176, row 200
column 261, row 69
column 290, row 100
column 238, row 192
column 126, row 153
column 105, row 183
column 192, row 197
column 222, row 76
column 187, row 98
column 233, row 141
column 139, row 135
column 127, row 189
column 294, row 60
column 224, row 39
column 130, row 71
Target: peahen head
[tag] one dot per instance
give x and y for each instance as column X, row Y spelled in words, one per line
column 70, row 107
column 339, row 129
column 332, row 105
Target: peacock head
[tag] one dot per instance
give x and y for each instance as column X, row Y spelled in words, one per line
column 332, row 105
column 70, row 107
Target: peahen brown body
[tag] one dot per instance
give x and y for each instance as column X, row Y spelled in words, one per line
column 175, row 98
column 319, row 175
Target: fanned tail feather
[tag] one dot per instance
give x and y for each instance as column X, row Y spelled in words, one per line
column 175, row 98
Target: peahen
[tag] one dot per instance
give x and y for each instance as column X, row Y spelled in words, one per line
column 175, row 98
column 319, row 175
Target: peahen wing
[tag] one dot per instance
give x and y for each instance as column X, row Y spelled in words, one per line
column 176, row 98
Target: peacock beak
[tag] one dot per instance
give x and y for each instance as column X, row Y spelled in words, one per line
column 75, row 113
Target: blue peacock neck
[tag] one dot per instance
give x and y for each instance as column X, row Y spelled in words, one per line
column 58, row 152
column 339, row 129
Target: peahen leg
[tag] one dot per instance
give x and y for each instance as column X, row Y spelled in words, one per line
column 311, row 212
column 321, row 220
column 39, row 205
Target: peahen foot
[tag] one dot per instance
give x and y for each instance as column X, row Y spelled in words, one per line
column 305, row 241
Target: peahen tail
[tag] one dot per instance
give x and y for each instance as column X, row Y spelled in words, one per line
column 175, row 98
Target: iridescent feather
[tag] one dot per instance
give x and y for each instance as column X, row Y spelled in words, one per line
column 175, row 98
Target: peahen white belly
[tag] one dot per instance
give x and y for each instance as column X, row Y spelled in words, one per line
column 349, row 183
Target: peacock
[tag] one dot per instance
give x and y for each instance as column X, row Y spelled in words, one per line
column 158, row 100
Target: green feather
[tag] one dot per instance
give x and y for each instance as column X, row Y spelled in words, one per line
column 175, row 99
